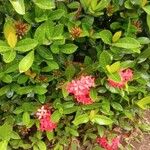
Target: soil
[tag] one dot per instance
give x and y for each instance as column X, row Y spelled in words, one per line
column 144, row 143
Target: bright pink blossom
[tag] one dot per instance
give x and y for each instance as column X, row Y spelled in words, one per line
column 103, row 142
column 126, row 75
column 80, row 88
column 116, row 84
column 46, row 124
column 44, row 116
column 84, row 99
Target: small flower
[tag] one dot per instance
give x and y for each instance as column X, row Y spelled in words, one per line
column 21, row 28
column 115, row 143
column 44, row 116
column 75, row 32
column 84, row 99
column 115, row 84
column 46, row 124
column 43, row 112
column 126, row 76
column 80, row 88
column 103, row 142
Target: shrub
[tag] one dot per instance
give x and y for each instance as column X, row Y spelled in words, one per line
column 74, row 74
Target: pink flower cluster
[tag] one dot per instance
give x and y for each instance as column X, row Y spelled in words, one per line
column 80, row 88
column 126, row 75
column 44, row 116
column 103, row 142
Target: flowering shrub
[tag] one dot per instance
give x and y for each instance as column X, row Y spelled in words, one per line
column 74, row 74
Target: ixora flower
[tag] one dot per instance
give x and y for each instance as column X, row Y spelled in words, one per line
column 103, row 142
column 44, row 116
column 80, row 88
column 126, row 76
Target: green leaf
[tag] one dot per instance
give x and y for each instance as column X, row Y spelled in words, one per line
column 115, row 77
column 116, row 36
column 69, row 72
column 143, row 102
column 64, row 90
column 41, row 98
column 4, row 47
column 72, row 131
column 144, row 40
column 55, row 117
column 26, row 45
column 68, row 48
column 128, row 43
column 9, row 56
column 24, row 90
column 50, row 135
column 74, row 5
column 41, row 145
column 114, row 67
column 15, row 135
column 26, row 62
column 105, row 59
column 45, row 53
column 4, row 90
column 7, row 78
column 147, row 9
column 19, row 6
column 116, row 106
column 56, row 14
column 81, row 119
column 40, row 33
column 45, row 4
column 93, row 94
column 148, row 21
column 5, row 131
column 26, row 118
column 40, row 90
column 101, row 120
column 3, row 145
column 106, row 106
column 102, row 4
column 106, row 36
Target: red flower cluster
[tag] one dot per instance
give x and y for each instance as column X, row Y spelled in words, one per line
column 103, row 142
column 44, row 116
column 80, row 88
column 126, row 75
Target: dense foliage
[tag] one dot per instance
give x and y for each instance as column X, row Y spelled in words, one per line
column 74, row 74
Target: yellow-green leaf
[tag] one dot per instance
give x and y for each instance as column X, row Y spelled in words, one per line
column 10, row 33
column 116, row 36
column 26, row 62
column 143, row 102
column 114, row 67
column 19, row 6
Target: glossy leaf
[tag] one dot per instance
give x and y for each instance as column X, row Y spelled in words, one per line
column 26, row 45
column 26, row 118
column 26, row 62
column 84, row 118
column 19, row 6
column 4, row 47
column 45, row 4
column 143, row 102
column 3, row 145
column 68, row 48
column 105, row 59
column 9, row 56
column 106, row 36
column 102, row 120
column 127, row 43
column 10, row 33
